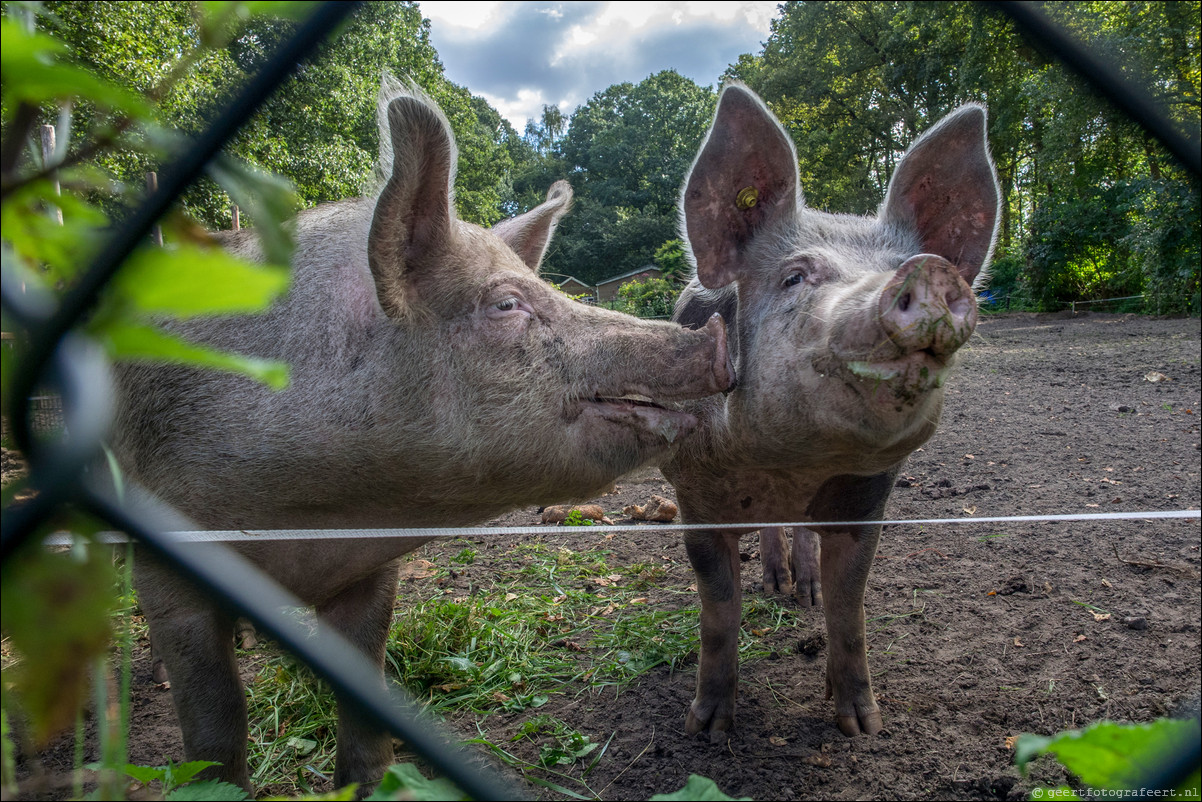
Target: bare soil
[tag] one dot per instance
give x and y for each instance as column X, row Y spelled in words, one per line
column 976, row 633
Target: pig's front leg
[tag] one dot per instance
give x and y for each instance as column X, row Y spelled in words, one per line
column 363, row 613
column 776, row 560
column 805, row 558
column 195, row 641
column 847, row 555
column 715, row 559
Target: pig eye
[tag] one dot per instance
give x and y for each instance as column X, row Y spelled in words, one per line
column 508, row 307
column 795, row 279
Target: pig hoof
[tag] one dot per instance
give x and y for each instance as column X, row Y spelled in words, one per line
column 867, row 723
column 775, row 583
column 158, row 672
column 697, row 723
column 808, row 594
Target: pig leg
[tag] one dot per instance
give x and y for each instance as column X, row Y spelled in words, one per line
column 847, row 555
column 775, row 558
column 246, row 634
column 194, row 639
column 197, row 649
column 715, row 559
column 363, row 614
column 805, row 558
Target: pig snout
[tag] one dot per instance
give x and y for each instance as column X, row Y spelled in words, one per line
column 723, row 369
column 927, row 306
column 700, row 365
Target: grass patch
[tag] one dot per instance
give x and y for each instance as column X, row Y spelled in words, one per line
column 553, row 622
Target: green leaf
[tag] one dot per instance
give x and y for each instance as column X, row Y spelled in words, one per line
column 53, row 251
column 207, row 789
column 268, row 199
column 462, row 663
column 56, row 607
column 1107, row 754
column 698, row 788
column 190, row 280
column 126, row 340
column 217, row 14
column 8, row 763
column 144, row 774
column 406, row 779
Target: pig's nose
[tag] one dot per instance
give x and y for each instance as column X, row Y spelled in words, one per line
column 723, row 368
column 927, row 306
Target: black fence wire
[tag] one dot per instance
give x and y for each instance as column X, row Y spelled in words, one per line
column 53, row 356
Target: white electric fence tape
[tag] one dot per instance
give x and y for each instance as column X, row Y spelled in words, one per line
column 236, row 536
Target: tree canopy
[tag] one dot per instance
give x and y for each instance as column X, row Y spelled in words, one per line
column 1093, row 206
column 319, row 129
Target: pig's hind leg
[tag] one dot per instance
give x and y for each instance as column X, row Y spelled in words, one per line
column 791, row 569
column 715, row 559
column 776, row 560
column 805, row 557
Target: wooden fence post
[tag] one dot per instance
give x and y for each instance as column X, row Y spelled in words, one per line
column 152, row 186
column 47, row 156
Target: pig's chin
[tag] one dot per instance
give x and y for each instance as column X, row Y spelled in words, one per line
column 899, row 386
column 629, row 423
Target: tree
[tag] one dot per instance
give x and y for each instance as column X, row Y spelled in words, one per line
column 319, row 129
column 626, row 152
column 672, row 262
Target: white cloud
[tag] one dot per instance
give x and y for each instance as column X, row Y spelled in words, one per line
column 521, row 56
column 464, row 15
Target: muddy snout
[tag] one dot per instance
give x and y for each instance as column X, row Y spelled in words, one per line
column 927, row 306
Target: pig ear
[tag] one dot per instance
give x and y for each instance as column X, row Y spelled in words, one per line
column 529, row 234
column 411, row 227
column 946, row 190
column 744, row 180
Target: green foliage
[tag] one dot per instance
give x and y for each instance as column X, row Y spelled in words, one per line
column 56, row 608
column 562, row 745
column 57, row 207
column 671, row 260
column 576, row 518
column 649, row 297
column 319, row 128
column 188, row 277
column 1107, row 756
column 178, row 785
column 8, row 761
column 406, row 782
column 697, row 788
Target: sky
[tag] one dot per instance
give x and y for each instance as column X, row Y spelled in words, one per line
column 520, row 56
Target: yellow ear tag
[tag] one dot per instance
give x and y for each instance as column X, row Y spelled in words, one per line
column 747, row 197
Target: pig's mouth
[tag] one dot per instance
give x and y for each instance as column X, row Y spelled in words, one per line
column 639, row 412
column 906, row 378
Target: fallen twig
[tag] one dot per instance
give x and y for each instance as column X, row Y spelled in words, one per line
column 1184, row 569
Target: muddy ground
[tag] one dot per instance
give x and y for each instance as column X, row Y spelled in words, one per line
column 976, row 633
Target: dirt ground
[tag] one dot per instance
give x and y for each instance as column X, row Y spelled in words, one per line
column 976, row 633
